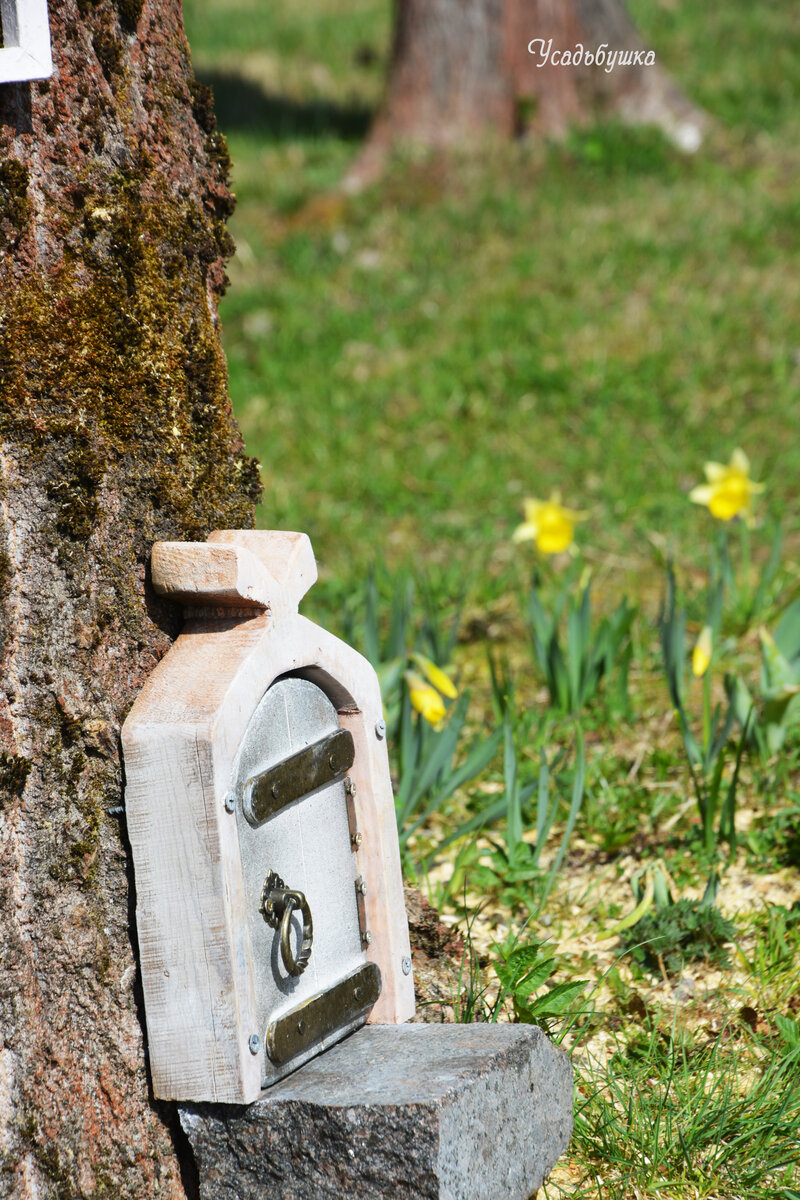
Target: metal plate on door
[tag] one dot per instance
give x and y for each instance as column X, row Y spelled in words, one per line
column 344, row 1003
column 299, row 871
column 298, row 775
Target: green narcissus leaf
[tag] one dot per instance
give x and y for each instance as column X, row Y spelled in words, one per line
column 778, row 676
column 787, row 632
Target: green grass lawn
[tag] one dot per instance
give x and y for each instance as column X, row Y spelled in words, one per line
column 599, row 316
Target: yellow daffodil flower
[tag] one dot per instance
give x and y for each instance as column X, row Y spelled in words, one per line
column 701, row 655
column 427, row 694
column 425, row 698
column 729, row 490
column 435, row 675
column 548, row 524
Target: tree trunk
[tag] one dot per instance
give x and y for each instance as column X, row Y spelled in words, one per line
column 462, row 68
column 115, row 430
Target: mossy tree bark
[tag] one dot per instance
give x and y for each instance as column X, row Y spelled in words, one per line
column 115, row 430
column 461, row 69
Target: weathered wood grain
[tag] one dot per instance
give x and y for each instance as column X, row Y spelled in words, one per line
column 287, row 556
column 195, row 572
column 180, row 740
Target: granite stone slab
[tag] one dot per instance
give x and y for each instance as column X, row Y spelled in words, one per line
column 412, row 1112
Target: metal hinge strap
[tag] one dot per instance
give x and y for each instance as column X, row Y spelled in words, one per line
column 310, row 769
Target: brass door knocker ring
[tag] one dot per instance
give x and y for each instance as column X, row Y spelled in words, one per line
column 277, row 905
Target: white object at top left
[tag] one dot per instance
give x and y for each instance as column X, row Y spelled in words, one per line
column 25, row 51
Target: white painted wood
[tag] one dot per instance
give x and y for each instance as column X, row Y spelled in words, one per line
column 198, row 1004
column 287, row 556
column 25, row 53
column 198, row 573
column 180, row 742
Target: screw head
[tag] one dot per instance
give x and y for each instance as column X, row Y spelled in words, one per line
column 254, row 1043
column 366, row 938
column 406, row 965
column 380, row 730
column 230, row 802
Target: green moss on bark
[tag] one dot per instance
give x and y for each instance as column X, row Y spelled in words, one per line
column 117, row 431
column 214, row 144
column 108, row 50
column 114, row 385
column 15, row 204
column 129, row 376
column 14, row 771
column 129, row 13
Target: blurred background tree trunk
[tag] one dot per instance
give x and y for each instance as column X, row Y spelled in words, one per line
column 461, row 69
column 115, row 430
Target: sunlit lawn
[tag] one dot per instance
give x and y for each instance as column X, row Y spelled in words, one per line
column 600, row 317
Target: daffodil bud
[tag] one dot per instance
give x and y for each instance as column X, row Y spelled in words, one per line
column 425, row 699
column 436, row 676
column 701, row 655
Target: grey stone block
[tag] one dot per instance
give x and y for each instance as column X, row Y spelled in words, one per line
column 412, row 1112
